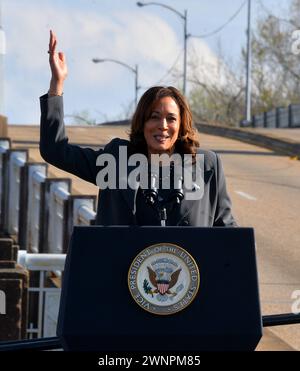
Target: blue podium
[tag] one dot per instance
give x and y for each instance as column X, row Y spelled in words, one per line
column 160, row 289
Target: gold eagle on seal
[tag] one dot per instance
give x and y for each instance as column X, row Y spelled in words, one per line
column 163, row 283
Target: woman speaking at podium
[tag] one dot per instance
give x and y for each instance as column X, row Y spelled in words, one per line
column 161, row 124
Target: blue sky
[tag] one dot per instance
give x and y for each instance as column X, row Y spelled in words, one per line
column 151, row 37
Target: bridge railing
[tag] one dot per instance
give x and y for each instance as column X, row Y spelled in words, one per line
column 44, row 296
column 280, row 117
column 39, row 213
column 31, row 231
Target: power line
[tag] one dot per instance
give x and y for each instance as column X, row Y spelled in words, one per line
column 201, row 36
column 224, row 25
column 264, row 7
column 168, row 71
column 268, row 11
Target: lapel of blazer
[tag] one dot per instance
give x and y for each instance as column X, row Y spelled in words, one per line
column 130, row 193
column 187, row 205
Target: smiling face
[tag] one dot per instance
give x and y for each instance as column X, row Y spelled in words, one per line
column 162, row 128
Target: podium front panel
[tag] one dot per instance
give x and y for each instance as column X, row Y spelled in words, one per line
column 97, row 311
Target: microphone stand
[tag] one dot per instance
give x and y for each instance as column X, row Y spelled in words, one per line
column 152, row 199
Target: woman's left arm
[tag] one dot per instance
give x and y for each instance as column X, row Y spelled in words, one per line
column 223, row 215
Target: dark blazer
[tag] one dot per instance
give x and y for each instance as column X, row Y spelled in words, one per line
column 117, row 207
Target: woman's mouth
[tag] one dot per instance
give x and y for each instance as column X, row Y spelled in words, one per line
column 161, row 138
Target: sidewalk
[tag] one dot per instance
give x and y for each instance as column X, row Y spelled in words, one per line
column 28, row 137
column 96, row 135
column 271, row 342
column 283, row 141
column 291, row 135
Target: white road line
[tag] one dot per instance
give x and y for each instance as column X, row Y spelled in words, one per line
column 246, row 195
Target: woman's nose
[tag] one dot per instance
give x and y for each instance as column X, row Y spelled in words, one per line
column 163, row 123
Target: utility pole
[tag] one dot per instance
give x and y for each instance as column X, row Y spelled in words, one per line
column 248, row 66
column 2, row 53
column 185, row 52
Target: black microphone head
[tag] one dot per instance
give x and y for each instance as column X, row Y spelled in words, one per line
column 151, row 196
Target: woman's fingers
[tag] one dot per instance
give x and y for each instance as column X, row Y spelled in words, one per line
column 57, row 60
column 54, row 46
column 52, row 42
column 62, row 56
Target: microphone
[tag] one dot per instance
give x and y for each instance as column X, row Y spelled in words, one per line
column 151, row 194
column 177, row 195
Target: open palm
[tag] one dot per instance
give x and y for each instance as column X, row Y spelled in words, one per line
column 57, row 61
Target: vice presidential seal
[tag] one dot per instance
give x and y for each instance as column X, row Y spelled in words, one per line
column 163, row 279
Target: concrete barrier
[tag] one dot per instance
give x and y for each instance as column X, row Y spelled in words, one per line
column 282, row 146
column 280, row 117
column 3, row 126
column 14, row 293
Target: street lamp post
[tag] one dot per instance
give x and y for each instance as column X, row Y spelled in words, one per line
column 2, row 54
column 132, row 69
column 185, row 52
column 184, row 17
column 248, row 73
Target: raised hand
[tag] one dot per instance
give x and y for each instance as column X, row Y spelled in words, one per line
column 58, row 67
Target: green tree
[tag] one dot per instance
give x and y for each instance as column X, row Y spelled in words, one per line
column 275, row 69
column 217, row 92
column 275, row 72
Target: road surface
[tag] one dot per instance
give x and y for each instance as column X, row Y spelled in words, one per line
column 265, row 191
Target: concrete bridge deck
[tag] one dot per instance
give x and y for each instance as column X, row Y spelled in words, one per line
column 245, row 168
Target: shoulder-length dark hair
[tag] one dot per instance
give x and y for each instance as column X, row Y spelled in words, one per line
column 187, row 137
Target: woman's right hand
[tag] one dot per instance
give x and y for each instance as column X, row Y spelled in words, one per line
column 58, row 67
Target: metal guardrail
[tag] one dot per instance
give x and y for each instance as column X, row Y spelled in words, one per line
column 280, row 319
column 83, row 211
column 57, row 196
column 52, row 343
column 33, row 240
column 17, row 160
column 4, row 146
column 47, row 297
column 280, row 117
column 39, row 213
